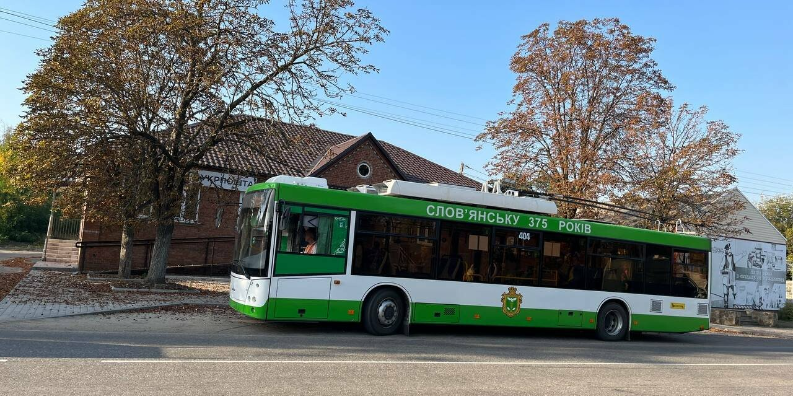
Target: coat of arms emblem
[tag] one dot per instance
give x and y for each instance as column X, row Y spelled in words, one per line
column 510, row 302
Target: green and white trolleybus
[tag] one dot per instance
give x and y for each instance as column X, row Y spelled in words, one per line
column 400, row 253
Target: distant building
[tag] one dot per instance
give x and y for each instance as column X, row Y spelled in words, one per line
column 204, row 235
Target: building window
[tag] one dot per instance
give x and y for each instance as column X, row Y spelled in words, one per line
column 191, row 198
column 364, row 170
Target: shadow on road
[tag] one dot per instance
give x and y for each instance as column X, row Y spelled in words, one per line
column 202, row 338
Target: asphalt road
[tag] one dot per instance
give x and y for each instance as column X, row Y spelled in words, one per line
column 225, row 354
column 7, row 254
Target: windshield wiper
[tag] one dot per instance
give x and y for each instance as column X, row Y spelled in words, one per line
column 236, row 263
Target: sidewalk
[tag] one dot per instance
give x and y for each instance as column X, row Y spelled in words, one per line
column 775, row 332
column 49, row 294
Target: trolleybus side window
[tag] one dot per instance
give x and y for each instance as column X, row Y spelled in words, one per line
column 464, row 252
column 689, row 274
column 564, row 261
column 394, row 246
column 516, row 258
column 615, row 266
column 658, row 270
column 308, row 231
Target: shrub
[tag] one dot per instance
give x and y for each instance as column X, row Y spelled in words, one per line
column 786, row 313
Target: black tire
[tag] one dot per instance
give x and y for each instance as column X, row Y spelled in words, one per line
column 612, row 322
column 390, row 304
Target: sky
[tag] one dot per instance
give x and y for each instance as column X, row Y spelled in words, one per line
column 444, row 68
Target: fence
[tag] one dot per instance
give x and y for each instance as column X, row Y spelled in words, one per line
column 205, row 256
column 62, row 228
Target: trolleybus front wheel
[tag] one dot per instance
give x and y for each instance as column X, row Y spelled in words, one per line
column 612, row 322
column 383, row 312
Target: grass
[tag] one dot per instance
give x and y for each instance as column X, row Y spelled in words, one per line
column 14, row 245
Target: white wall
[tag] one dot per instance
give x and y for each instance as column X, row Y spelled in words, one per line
column 757, row 279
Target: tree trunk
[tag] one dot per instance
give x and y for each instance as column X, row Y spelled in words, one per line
column 125, row 258
column 159, row 254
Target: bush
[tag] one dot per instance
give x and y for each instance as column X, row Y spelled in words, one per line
column 26, row 237
column 20, row 221
column 786, row 313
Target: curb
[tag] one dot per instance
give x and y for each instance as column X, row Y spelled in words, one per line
column 781, row 334
column 42, row 266
column 126, row 289
column 117, row 310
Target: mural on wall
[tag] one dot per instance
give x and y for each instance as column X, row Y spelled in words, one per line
column 747, row 274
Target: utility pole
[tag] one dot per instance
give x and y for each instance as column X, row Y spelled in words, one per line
column 462, row 167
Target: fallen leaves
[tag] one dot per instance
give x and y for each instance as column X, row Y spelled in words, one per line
column 79, row 289
column 9, row 281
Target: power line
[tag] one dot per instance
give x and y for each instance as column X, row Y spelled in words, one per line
column 27, row 24
column 760, row 181
column 420, row 111
column 24, row 35
column 477, row 171
column 766, row 176
column 454, row 127
column 762, row 191
column 422, row 106
column 10, row 11
column 761, row 186
column 474, row 177
column 403, row 121
column 400, row 119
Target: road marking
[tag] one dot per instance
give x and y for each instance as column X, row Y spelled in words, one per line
column 439, row 362
column 3, row 360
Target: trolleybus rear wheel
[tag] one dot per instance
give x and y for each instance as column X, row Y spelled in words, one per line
column 612, row 322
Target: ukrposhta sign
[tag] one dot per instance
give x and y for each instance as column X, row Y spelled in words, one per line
column 225, row 181
column 747, row 274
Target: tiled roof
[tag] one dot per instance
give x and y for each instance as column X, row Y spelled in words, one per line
column 298, row 150
column 334, row 151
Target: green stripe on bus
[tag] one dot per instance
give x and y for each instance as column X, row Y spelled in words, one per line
column 495, row 316
column 668, row 324
column 471, row 214
column 425, row 313
column 305, row 264
column 298, row 308
column 254, row 312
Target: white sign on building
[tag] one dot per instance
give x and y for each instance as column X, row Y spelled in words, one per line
column 747, row 274
column 225, row 181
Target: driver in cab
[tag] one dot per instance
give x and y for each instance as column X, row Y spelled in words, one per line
column 311, row 241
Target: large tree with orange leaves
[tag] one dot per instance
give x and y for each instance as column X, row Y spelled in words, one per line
column 579, row 89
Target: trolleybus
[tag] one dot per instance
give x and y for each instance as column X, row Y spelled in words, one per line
column 401, row 253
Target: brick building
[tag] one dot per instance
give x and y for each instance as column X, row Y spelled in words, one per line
column 204, row 235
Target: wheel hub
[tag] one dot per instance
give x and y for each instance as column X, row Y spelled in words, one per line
column 387, row 313
column 613, row 322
